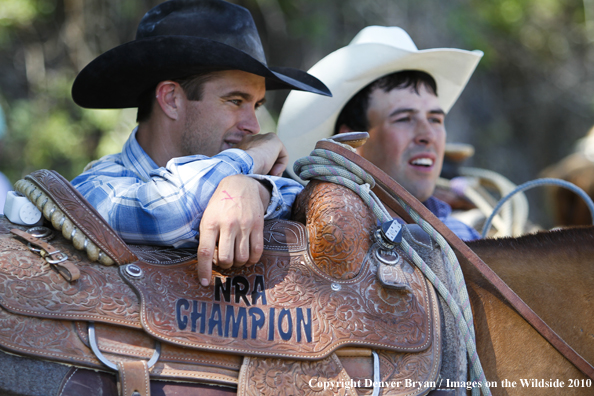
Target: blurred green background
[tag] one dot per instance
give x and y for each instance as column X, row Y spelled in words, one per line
column 528, row 103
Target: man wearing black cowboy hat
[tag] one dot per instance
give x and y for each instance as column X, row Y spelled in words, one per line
column 194, row 165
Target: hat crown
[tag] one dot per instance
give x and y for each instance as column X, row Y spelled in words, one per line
column 386, row 35
column 215, row 20
column 177, row 39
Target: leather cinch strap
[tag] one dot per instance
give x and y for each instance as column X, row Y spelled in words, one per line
column 134, row 378
column 387, row 187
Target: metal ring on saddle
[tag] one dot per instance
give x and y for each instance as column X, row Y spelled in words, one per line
column 41, row 233
column 34, row 249
column 388, row 257
column 107, row 362
column 62, row 258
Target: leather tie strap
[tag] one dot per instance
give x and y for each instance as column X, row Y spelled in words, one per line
column 54, row 257
column 385, row 185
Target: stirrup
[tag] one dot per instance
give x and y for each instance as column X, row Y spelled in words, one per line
column 107, row 362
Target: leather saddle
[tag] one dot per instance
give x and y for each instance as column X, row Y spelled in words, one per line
column 325, row 311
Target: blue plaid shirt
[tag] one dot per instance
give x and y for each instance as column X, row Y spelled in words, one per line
column 148, row 204
column 443, row 212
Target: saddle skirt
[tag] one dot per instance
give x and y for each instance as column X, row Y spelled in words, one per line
column 310, row 313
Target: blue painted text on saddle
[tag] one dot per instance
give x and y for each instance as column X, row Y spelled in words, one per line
column 235, row 319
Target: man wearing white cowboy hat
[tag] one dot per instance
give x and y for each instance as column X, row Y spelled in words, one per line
column 194, row 166
column 381, row 83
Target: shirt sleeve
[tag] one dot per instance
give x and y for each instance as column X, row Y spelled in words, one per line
column 167, row 208
column 284, row 192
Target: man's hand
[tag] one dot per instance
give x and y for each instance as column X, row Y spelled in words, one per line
column 233, row 221
column 269, row 154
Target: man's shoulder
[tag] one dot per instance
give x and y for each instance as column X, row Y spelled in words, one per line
column 443, row 211
column 438, row 207
column 105, row 161
column 462, row 230
column 108, row 166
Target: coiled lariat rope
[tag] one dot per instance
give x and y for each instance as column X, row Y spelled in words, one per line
column 328, row 166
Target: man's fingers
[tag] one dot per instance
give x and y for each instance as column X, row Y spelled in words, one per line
column 267, row 151
column 242, row 249
column 281, row 162
column 277, row 169
column 226, row 248
column 233, row 223
column 256, row 246
column 206, row 249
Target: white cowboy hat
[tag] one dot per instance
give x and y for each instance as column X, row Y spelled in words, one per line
column 374, row 52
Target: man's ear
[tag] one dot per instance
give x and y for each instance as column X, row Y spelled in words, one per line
column 344, row 129
column 169, row 96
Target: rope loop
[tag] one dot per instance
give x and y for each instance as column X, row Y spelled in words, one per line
column 534, row 183
column 320, row 158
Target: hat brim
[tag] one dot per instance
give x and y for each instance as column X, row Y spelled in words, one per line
column 119, row 76
column 306, row 119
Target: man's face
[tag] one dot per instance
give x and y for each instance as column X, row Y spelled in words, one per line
column 406, row 138
column 224, row 115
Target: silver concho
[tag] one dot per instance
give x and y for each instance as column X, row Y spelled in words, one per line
column 133, row 270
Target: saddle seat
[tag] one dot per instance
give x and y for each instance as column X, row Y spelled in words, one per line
column 311, row 316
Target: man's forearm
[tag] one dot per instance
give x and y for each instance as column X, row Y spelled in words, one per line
column 165, row 206
column 167, row 210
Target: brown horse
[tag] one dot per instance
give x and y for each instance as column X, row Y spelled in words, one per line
column 553, row 272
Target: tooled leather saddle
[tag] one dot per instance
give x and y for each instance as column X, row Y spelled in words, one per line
column 312, row 316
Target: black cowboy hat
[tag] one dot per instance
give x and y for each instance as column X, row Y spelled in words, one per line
column 176, row 39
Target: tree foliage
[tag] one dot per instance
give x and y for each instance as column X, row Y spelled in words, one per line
column 531, row 98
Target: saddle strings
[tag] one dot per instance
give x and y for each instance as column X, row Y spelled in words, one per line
column 328, row 166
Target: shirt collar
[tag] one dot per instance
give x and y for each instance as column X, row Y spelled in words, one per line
column 438, row 207
column 135, row 158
